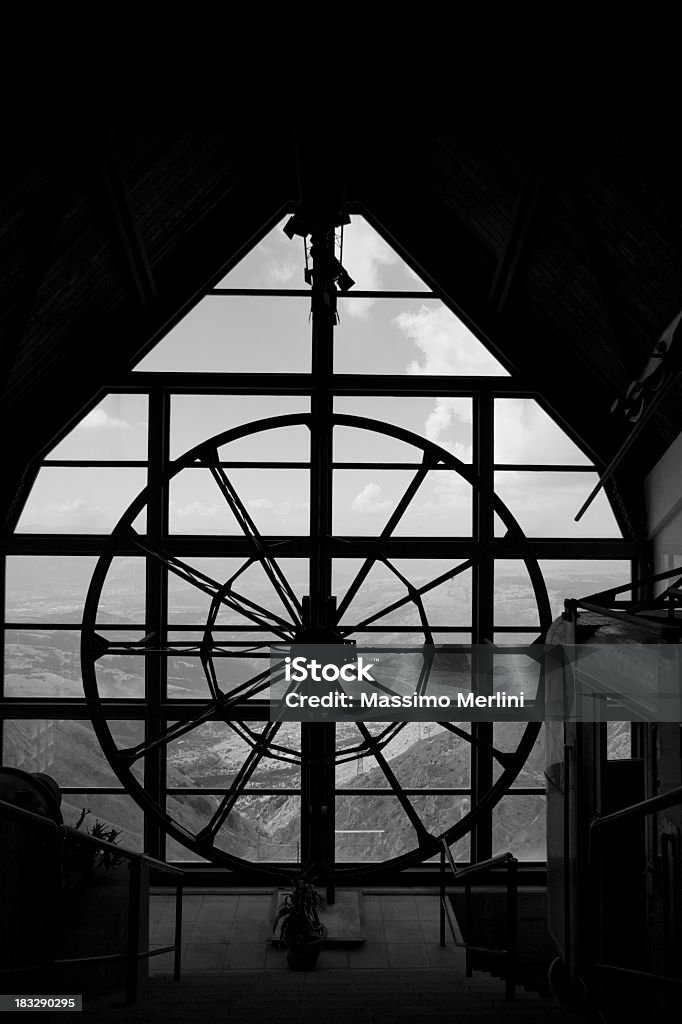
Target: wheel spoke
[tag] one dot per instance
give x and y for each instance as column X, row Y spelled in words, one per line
column 279, row 581
column 174, row 647
column 504, row 757
column 228, row 588
column 132, row 754
column 212, row 710
column 208, row 833
column 422, row 834
column 203, row 582
column 251, row 738
column 237, row 600
column 414, row 594
column 258, row 683
column 431, row 585
column 390, row 526
column 209, row 670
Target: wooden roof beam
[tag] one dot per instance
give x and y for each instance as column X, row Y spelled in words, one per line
column 119, row 205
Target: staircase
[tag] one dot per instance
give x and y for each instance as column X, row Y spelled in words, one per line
column 487, row 930
column 330, row 996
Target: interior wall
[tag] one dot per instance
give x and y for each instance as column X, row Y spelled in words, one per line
column 663, row 490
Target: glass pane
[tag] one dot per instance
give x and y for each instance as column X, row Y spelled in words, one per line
column 358, row 445
column 373, row 264
column 187, row 604
column 408, row 336
column 195, row 418
column 116, row 811
column 237, row 334
column 47, row 663
column 43, row 663
column 186, row 678
column 565, row 578
column 448, row 604
column 67, row 750
column 422, row 755
column 506, row 737
column 213, row 754
column 446, row 421
column 520, row 827
column 380, row 589
column 545, row 504
column 114, row 429
column 515, row 639
column 193, row 813
column 276, row 500
column 121, row 675
column 122, row 600
column 524, row 432
column 517, row 673
column 515, row 601
column 275, row 262
column 364, row 501
column 278, row 261
column 371, row 828
column 52, row 588
column 263, row 828
column 80, row 500
column 440, row 813
column 618, row 741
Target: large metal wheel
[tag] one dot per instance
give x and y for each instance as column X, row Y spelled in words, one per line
column 243, row 707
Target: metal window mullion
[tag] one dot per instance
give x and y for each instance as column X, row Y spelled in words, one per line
column 483, row 613
column 156, row 611
column 3, row 583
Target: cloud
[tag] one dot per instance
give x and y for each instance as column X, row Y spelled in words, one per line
column 447, row 348
column 525, row 433
column 98, row 419
column 73, row 516
column 281, row 271
column 368, row 500
column 449, row 493
column 195, row 508
column 445, row 415
column 446, row 345
column 296, row 513
column 364, row 254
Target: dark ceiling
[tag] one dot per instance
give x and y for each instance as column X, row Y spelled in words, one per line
column 551, row 222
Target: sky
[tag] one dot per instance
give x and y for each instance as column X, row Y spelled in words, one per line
column 398, row 336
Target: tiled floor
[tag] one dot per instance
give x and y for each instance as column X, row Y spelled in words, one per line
column 225, row 931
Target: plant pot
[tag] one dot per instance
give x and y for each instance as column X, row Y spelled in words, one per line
column 302, row 956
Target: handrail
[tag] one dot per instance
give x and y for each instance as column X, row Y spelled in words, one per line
column 447, row 912
column 14, row 811
column 137, row 861
column 658, row 979
column 474, row 869
column 644, row 807
column 594, row 855
column 121, row 851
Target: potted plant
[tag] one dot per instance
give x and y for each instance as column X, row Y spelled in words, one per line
column 301, row 931
column 80, row 860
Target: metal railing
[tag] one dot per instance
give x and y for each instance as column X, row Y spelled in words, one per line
column 639, row 810
column 139, row 865
column 447, row 913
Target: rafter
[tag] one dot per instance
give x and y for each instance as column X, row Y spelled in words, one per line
column 126, row 228
column 519, row 239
